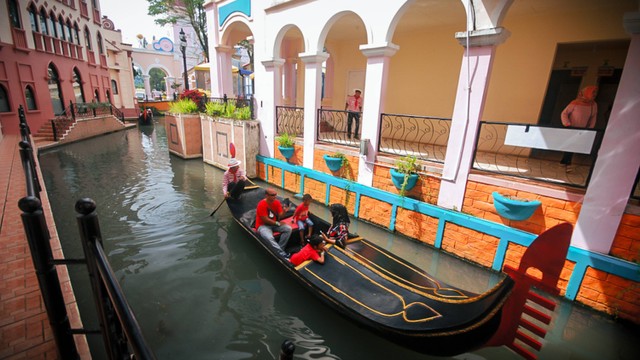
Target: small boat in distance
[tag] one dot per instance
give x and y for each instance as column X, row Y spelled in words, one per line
column 384, row 293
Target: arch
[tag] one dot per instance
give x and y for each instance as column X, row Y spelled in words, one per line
column 236, row 29
column 30, row 98
column 14, row 14
column 5, row 105
column 55, row 92
column 153, row 66
column 157, row 79
column 280, row 37
column 76, row 82
column 332, row 21
column 76, row 29
column 69, row 31
column 96, row 95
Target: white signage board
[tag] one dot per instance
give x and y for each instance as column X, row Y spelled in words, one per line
column 571, row 140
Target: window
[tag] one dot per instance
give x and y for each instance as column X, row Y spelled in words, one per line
column 43, row 22
column 114, row 87
column 69, row 32
column 4, row 100
column 33, row 18
column 96, row 95
column 30, row 97
column 77, row 87
column 61, row 28
column 100, row 44
column 77, row 32
column 87, row 37
column 55, row 93
column 52, row 25
column 14, row 14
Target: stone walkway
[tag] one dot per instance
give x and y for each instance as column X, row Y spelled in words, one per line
column 24, row 327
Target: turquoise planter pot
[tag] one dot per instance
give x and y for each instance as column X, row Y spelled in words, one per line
column 398, row 178
column 287, row 152
column 514, row 209
column 333, row 163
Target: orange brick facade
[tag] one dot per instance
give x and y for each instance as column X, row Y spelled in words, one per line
column 599, row 290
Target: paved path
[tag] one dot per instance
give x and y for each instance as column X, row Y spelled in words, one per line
column 24, row 328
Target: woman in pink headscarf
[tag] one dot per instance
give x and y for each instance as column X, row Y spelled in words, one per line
column 580, row 113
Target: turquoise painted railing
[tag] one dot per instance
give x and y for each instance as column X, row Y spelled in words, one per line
column 583, row 259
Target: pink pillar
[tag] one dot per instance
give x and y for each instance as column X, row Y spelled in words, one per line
column 266, row 109
column 617, row 165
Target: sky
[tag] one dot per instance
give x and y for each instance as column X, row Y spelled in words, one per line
column 131, row 17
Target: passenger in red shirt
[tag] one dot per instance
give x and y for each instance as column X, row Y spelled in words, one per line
column 301, row 216
column 268, row 213
column 314, row 250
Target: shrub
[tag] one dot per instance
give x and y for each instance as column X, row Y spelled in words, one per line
column 407, row 164
column 184, row 106
column 214, row 109
column 196, row 96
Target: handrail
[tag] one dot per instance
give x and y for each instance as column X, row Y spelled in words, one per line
column 333, row 126
column 117, row 321
column 290, row 120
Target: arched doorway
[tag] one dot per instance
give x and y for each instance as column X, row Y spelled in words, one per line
column 77, row 87
column 55, row 93
column 157, row 83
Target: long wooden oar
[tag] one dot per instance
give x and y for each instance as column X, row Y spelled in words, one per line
column 214, row 211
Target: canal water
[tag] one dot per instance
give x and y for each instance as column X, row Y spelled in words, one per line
column 201, row 289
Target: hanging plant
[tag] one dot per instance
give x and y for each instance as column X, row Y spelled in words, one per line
column 405, row 175
column 286, row 144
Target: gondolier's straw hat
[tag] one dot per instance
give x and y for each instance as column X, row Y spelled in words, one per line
column 234, row 162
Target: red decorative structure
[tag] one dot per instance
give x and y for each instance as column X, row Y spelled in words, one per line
column 232, row 150
column 546, row 254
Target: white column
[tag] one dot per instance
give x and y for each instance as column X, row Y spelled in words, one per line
column 169, row 80
column 147, row 86
column 290, row 82
column 312, row 95
column 375, row 87
column 211, row 10
column 618, row 160
column 473, row 83
column 224, row 78
column 266, row 110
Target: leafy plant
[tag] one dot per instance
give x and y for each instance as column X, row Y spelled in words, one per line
column 407, row 165
column 214, row 109
column 197, row 96
column 243, row 113
column 285, row 140
column 184, row 106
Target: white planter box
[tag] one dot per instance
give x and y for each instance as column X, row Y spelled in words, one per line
column 218, row 133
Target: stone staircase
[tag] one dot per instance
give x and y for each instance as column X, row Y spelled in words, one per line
column 46, row 130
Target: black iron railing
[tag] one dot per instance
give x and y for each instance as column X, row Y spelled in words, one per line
column 74, row 112
column 495, row 154
column 333, row 126
column 119, row 327
column 424, row 137
column 290, row 120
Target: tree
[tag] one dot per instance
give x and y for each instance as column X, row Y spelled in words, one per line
column 191, row 11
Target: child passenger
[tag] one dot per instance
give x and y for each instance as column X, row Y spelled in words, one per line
column 314, row 250
column 301, row 215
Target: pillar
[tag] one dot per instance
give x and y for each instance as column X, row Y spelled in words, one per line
column 473, row 83
column 378, row 57
column 266, row 110
column 147, row 87
column 312, row 98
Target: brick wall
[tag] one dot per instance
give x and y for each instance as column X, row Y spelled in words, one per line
column 84, row 129
column 610, row 294
column 626, row 244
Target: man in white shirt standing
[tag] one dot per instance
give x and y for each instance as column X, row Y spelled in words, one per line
column 354, row 108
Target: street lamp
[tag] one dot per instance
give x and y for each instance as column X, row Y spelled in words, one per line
column 183, row 48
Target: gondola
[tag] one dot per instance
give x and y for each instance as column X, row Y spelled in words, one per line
column 386, row 294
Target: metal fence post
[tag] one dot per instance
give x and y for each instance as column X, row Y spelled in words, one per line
column 38, row 237
column 90, row 234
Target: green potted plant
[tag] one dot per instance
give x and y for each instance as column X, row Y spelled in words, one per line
column 405, row 175
column 183, row 106
column 285, row 144
column 183, row 128
column 335, row 161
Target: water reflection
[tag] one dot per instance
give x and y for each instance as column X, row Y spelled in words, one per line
column 202, row 289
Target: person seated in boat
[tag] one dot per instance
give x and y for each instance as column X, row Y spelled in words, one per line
column 301, row 216
column 339, row 231
column 268, row 213
column 233, row 180
column 314, row 250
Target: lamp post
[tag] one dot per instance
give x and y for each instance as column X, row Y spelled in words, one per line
column 183, row 48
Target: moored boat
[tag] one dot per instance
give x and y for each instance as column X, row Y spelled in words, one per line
column 384, row 293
